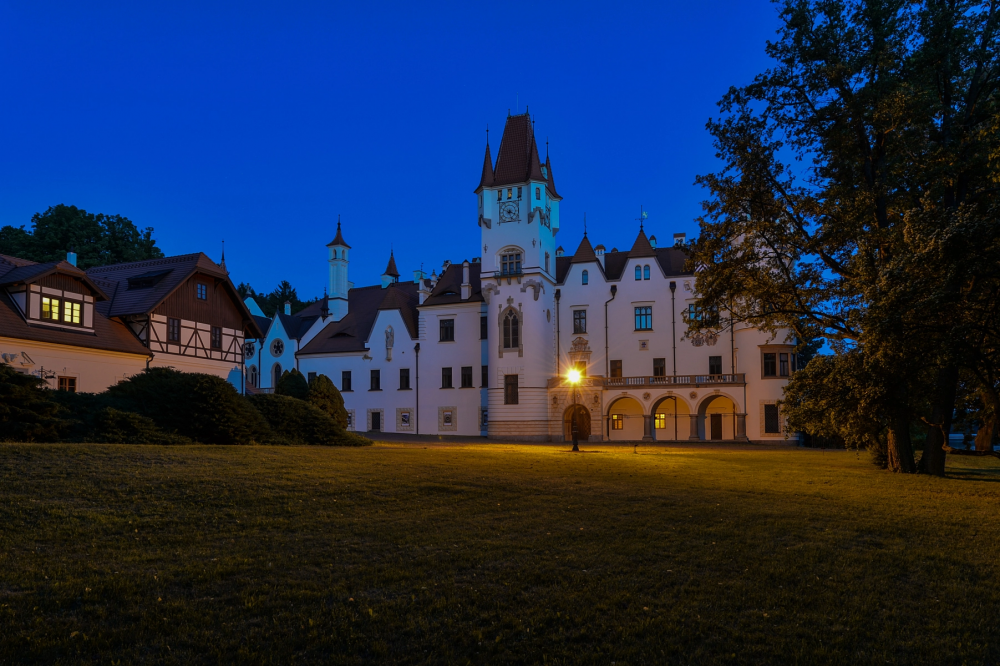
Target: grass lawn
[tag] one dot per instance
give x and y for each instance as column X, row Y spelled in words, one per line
column 492, row 553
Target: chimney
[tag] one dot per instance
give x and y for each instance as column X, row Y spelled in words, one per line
column 599, row 251
column 652, row 241
column 560, row 251
column 418, row 276
column 466, row 285
column 71, row 257
column 680, row 239
column 288, row 307
column 434, row 279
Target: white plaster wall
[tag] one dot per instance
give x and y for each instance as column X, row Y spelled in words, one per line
column 94, row 370
column 466, row 350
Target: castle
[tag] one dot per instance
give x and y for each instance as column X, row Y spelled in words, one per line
column 525, row 342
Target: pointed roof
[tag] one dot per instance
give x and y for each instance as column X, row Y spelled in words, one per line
column 517, row 159
column 339, row 238
column 487, row 179
column 551, row 181
column 641, row 247
column 585, row 252
column 390, row 269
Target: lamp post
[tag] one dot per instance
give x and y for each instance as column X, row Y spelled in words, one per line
column 573, row 376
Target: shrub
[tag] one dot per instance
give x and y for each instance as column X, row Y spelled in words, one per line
column 27, row 411
column 113, row 426
column 324, row 395
column 202, row 407
column 292, row 383
column 296, row 421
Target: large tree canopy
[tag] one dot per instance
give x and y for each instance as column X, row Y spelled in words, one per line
column 858, row 203
column 275, row 300
column 98, row 240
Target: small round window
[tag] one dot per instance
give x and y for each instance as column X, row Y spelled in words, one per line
column 277, row 348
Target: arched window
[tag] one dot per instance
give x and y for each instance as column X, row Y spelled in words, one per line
column 252, row 377
column 638, row 272
column 586, row 277
column 277, row 375
column 645, row 272
column 511, row 331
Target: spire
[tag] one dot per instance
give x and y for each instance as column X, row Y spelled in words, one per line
column 339, row 238
column 548, row 172
column 222, row 265
column 390, row 269
column 584, row 225
column 487, row 178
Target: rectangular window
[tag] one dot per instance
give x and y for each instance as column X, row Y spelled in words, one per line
column 659, row 367
column 67, row 384
column 376, row 381
column 482, row 327
column 715, row 365
column 616, row 368
column 216, row 337
column 660, row 422
column 510, row 264
column 783, row 365
column 579, row 321
column 617, row 422
column 446, row 378
column 707, row 316
column 173, row 330
column 770, row 365
column 466, row 376
column 404, row 379
column 62, row 312
column 644, row 318
column 772, row 424
column 486, row 376
column 510, row 389
column 310, row 377
column 71, row 313
column 447, row 330
column 345, row 381
column 202, row 292
column 50, row 308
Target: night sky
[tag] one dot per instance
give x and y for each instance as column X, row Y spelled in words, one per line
column 259, row 124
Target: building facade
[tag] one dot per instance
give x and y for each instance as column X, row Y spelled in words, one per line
column 525, row 342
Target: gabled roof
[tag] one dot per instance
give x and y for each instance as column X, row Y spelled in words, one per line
column 517, row 159
column 642, row 247
column 487, row 179
column 124, row 301
column 390, row 268
column 448, row 289
column 584, row 252
column 363, row 305
column 670, row 259
column 263, row 323
column 339, row 238
column 14, row 270
column 296, row 325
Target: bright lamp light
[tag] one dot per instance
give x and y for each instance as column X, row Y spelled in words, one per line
column 573, row 376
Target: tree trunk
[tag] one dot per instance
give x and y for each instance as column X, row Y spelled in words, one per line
column 932, row 462
column 900, row 448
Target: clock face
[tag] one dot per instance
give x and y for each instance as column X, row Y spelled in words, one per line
column 508, row 211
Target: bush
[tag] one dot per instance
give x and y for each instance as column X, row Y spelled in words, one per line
column 113, row 426
column 324, row 395
column 298, row 422
column 202, row 407
column 293, row 384
column 27, row 411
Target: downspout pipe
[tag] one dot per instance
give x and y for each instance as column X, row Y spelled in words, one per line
column 558, row 336
column 673, row 326
column 607, row 359
column 416, row 351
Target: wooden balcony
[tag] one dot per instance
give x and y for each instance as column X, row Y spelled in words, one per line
column 618, row 383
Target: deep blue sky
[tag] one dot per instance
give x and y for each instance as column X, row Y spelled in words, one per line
column 259, row 123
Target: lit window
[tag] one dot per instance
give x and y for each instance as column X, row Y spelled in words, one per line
column 638, row 272
column 50, row 308
column 67, row 384
column 645, row 272
column 510, row 193
column 202, row 292
column 644, row 318
column 62, row 312
column 586, row 277
column 660, row 422
column 617, row 422
column 71, row 313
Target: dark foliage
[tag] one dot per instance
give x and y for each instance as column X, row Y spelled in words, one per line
column 27, row 414
column 274, row 302
column 299, row 422
column 324, row 395
column 98, row 240
column 103, row 417
column 293, row 384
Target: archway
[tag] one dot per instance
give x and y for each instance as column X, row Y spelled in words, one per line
column 625, row 420
column 717, row 418
column 582, row 416
column 671, row 419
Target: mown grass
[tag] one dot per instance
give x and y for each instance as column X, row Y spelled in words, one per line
column 492, row 554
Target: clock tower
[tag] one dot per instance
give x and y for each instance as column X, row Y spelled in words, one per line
column 518, row 213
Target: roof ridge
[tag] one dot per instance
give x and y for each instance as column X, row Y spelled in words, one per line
column 159, row 261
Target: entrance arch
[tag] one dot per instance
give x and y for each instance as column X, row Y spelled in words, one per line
column 582, row 416
column 671, row 419
column 625, row 420
column 717, row 418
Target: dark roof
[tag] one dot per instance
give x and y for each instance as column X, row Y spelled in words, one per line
column 584, row 252
column 562, row 267
column 390, row 268
column 124, row 300
column 449, row 286
column 517, row 159
column 551, row 180
column 108, row 334
column 670, row 259
column 338, row 239
column 296, row 325
column 14, row 270
column 487, row 178
column 641, row 247
column 263, row 323
column 363, row 305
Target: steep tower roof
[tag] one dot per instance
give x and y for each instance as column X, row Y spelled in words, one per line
column 517, row 159
column 551, row 180
column 585, row 252
column 487, row 180
column 339, row 238
column 390, row 269
column 641, row 247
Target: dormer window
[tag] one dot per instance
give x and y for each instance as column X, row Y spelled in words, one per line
column 60, row 311
column 202, row 292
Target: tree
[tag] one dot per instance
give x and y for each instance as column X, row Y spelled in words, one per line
column 27, row 414
column 324, row 395
column 293, row 384
column 859, row 178
column 98, row 240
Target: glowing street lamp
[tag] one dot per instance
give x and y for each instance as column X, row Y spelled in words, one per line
column 573, row 377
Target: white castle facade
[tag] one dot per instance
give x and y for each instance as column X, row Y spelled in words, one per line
column 524, row 340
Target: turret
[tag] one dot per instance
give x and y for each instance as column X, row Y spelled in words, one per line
column 390, row 275
column 339, row 285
